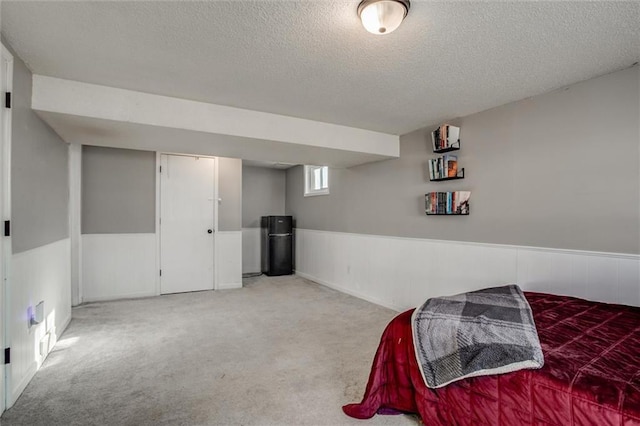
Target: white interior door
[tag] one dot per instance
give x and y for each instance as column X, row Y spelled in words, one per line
column 187, row 223
column 6, row 76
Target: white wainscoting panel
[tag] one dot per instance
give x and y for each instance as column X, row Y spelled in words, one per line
column 229, row 259
column 40, row 274
column 401, row 273
column 606, row 277
column 251, row 250
column 117, row 266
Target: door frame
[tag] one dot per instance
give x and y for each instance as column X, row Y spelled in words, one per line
column 5, row 212
column 216, row 204
column 75, row 221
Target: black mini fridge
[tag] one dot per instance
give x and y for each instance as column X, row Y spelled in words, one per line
column 277, row 245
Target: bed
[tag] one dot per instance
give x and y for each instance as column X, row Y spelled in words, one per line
column 591, row 374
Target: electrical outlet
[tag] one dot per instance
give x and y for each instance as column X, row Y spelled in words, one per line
column 39, row 313
column 35, row 316
column 29, row 316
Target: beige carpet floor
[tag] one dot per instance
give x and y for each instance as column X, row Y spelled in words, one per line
column 280, row 351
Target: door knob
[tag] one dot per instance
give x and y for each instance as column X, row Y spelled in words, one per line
column 209, row 231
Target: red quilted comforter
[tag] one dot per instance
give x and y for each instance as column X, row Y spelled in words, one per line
column 591, row 374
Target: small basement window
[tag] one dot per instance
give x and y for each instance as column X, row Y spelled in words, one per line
column 316, row 180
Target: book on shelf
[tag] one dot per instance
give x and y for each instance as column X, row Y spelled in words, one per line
column 431, row 202
column 453, row 135
column 452, row 166
column 435, row 139
column 445, row 136
column 443, row 167
column 447, row 203
column 462, row 205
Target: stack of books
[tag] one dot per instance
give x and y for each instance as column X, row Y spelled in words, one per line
column 456, row 202
column 445, row 136
column 443, row 167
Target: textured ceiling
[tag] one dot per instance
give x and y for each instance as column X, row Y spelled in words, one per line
column 313, row 59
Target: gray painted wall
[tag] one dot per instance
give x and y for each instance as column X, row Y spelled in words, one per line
column 263, row 194
column 230, row 191
column 557, row 170
column 118, row 191
column 39, row 172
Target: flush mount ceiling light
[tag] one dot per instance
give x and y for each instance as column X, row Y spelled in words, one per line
column 382, row 16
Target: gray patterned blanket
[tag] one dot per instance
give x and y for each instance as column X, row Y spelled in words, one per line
column 489, row 331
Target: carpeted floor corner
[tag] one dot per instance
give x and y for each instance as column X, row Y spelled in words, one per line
column 280, row 351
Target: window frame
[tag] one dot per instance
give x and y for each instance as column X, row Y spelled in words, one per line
column 310, row 180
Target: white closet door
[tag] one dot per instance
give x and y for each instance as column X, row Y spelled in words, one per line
column 187, row 186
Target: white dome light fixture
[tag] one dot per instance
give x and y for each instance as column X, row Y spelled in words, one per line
column 382, row 16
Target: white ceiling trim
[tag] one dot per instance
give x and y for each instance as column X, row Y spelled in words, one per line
column 119, row 134
column 72, row 98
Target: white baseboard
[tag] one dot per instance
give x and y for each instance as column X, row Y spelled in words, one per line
column 401, row 273
column 122, row 296
column 229, row 286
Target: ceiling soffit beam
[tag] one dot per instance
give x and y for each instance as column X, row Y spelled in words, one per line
column 61, row 96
